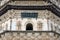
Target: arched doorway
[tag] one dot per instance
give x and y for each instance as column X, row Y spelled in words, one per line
column 29, row 26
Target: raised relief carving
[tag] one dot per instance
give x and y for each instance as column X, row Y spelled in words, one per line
column 39, row 26
column 18, row 24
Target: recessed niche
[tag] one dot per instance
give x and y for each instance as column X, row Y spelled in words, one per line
column 29, row 26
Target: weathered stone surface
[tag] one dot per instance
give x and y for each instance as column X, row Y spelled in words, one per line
column 46, row 19
column 28, row 36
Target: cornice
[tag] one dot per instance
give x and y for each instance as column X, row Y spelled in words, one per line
column 53, row 8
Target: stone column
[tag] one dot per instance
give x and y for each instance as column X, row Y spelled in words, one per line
column 10, row 23
column 6, row 26
column 0, row 26
column 48, row 24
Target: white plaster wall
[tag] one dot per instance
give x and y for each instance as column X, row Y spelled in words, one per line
column 24, row 22
column 45, row 26
column 34, row 23
column 13, row 24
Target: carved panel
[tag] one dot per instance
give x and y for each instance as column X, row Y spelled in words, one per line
column 18, row 24
column 39, row 26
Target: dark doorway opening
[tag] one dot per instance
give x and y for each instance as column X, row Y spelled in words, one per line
column 29, row 26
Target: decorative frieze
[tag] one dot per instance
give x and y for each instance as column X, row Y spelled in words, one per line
column 34, row 3
column 28, row 36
